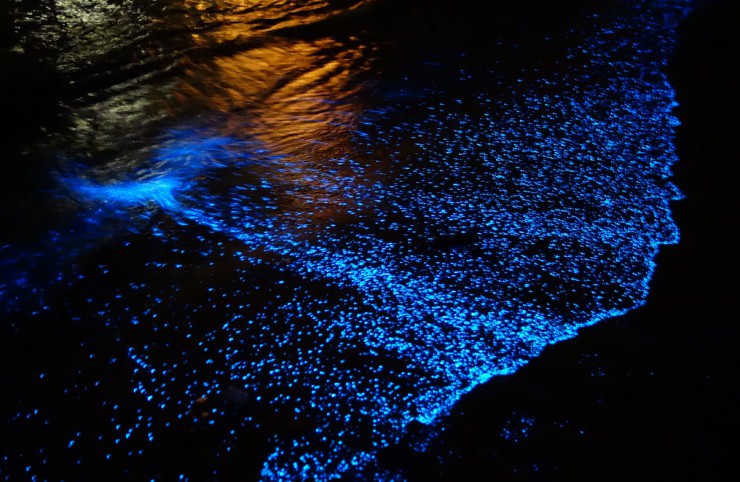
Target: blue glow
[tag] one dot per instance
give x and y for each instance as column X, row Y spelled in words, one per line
column 351, row 296
column 161, row 191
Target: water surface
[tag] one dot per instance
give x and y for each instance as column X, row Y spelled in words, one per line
column 303, row 230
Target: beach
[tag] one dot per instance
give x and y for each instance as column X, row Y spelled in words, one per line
column 205, row 235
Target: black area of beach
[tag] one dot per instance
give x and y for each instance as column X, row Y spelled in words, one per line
column 651, row 395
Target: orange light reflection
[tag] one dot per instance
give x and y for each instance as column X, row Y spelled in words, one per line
column 301, row 100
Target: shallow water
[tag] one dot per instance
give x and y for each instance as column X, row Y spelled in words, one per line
column 302, row 230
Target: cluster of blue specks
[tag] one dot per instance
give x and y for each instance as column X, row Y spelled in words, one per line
column 333, row 302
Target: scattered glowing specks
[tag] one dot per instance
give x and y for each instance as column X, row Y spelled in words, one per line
column 334, row 298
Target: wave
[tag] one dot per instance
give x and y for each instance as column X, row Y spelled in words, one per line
column 346, row 255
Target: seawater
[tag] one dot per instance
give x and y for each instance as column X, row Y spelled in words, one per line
column 284, row 230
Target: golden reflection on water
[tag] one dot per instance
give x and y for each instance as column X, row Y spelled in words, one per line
column 260, row 16
column 226, row 69
column 301, row 100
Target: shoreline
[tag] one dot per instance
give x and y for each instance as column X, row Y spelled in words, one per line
column 649, row 393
